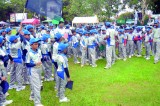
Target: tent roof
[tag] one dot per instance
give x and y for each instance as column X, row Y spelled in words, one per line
column 31, row 21
column 93, row 19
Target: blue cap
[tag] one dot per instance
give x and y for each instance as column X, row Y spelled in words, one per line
column 57, row 36
column 121, row 30
column 29, row 27
column 62, row 46
column 26, row 32
column 103, row 28
column 12, row 38
column 1, row 39
column 51, row 25
column 77, row 30
column 91, row 32
column 2, row 30
column 34, row 40
column 42, row 27
column 8, row 30
column 67, row 26
column 127, row 28
column 108, row 24
column 45, row 37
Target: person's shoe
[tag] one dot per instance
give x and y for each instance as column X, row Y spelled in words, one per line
column 139, row 55
column 82, row 65
column 13, row 86
column 6, row 94
column 20, row 89
column 78, row 62
column 124, row 59
column 129, row 56
column 7, row 102
column 31, row 99
column 27, row 83
column 94, row 65
column 38, row 105
column 64, row 100
column 51, row 79
column 147, row 58
column 106, row 67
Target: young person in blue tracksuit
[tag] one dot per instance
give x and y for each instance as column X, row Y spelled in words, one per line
column 58, row 38
column 47, row 63
column 34, row 64
column 16, row 66
column 148, row 43
column 75, row 44
column 62, row 72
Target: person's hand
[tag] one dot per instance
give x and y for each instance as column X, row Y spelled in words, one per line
column 39, row 64
column 11, row 62
column 3, row 78
column 68, row 79
column 85, row 48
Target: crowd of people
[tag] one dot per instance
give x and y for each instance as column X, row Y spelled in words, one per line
column 33, row 51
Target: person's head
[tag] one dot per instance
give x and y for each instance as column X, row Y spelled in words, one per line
column 45, row 37
column 61, row 24
column 121, row 31
column 51, row 26
column 34, row 42
column 58, row 37
column 107, row 24
column 2, row 32
column 27, row 34
column 30, row 28
column 74, row 32
column 8, row 31
column 62, row 48
column 13, row 38
column 103, row 30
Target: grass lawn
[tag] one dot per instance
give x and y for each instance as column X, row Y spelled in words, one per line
column 135, row 82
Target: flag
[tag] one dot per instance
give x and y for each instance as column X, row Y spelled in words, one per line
column 48, row 8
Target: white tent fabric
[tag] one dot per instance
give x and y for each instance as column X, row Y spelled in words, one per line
column 85, row 20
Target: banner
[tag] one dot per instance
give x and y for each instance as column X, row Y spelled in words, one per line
column 48, row 8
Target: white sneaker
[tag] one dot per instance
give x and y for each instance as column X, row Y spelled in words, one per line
column 64, row 100
column 6, row 94
column 139, row 55
column 51, row 79
column 21, row 88
column 147, row 58
column 27, row 83
column 8, row 73
column 129, row 56
column 106, row 67
column 13, row 86
column 7, row 102
column 94, row 65
column 31, row 99
column 124, row 59
column 38, row 105
column 78, row 62
column 82, row 65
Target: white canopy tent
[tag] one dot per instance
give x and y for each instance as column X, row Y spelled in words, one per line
column 85, row 20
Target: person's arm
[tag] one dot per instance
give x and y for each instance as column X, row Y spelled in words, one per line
column 30, row 64
column 67, row 72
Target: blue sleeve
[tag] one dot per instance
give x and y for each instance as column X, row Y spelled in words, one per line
column 6, row 58
column 67, row 72
column 30, row 64
column 23, row 39
column 1, row 57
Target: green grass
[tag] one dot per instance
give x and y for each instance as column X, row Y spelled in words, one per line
column 135, row 82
